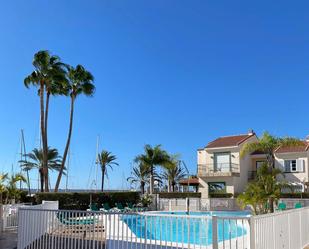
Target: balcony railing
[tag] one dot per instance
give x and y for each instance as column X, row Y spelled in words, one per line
column 219, row 169
column 251, row 175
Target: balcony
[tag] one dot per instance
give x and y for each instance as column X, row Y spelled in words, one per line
column 251, row 175
column 215, row 170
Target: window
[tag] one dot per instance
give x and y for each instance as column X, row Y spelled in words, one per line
column 290, row 165
column 222, row 161
column 258, row 164
column 216, row 187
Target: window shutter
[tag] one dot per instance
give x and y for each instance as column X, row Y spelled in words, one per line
column 300, row 165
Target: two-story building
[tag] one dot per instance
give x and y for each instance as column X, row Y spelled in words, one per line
column 220, row 167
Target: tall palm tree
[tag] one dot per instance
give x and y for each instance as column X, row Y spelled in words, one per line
column 152, row 157
column 267, row 144
column 79, row 82
column 49, row 72
column 35, row 161
column 173, row 174
column 140, row 174
column 106, row 159
column 3, row 178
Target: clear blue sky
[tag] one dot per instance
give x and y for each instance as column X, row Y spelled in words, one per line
column 176, row 73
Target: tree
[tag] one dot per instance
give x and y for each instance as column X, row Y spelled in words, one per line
column 264, row 191
column 267, row 144
column 152, row 157
column 3, row 189
column 48, row 74
column 35, row 161
column 12, row 191
column 173, row 173
column 106, row 159
column 79, row 82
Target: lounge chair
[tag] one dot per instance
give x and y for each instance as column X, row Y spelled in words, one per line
column 281, row 206
column 106, row 207
column 120, row 207
column 73, row 221
column 298, row 205
column 93, row 207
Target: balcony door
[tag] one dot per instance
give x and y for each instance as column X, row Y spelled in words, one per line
column 222, row 161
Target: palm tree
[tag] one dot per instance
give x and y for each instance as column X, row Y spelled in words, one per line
column 49, row 72
column 263, row 191
column 267, row 144
column 3, row 189
column 140, row 174
column 79, row 82
column 152, row 157
column 173, row 173
column 105, row 159
column 12, row 190
column 35, row 161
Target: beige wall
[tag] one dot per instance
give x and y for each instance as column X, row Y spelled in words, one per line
column 293, row 177
column 234, row 184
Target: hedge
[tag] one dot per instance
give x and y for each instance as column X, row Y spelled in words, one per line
column 81, row 201
column 295, row 195
column 220, row 195
column 173, row 195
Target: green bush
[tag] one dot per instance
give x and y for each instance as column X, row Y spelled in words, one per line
column 295, row 195
column 220, row 195
column 81, row 201
column 173, row 195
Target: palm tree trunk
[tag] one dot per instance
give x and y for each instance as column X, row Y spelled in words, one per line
column 41, row 173
column 151, row 180
column 65, row 153
column 142, row 187
column 43, row 135
column 103, row 176
column 46, row 141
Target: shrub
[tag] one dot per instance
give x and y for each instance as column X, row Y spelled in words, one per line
column 220, row 195
column 173, row 195
column 295, row 195
column 81, row 201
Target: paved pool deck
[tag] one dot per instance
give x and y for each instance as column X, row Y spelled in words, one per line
column 8, row 240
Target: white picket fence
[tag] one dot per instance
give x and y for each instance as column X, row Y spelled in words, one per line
column 60, row 229
column 285, row 229
column 9, row 215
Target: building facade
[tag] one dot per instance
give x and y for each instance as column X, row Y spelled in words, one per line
column 222, row 169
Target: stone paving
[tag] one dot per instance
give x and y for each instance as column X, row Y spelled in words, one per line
column 8, row 240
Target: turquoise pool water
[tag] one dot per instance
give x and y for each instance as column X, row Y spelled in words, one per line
column 195, row 228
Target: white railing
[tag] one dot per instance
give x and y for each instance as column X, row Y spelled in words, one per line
column 286, row 229
column 198, row 204
column 9, row 215
column 179, row 204
column 61, row 229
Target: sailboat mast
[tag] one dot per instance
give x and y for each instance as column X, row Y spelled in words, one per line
column 97, row 165
column 23, row 153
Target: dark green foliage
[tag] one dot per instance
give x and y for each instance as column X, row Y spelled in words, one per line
column 295, row 195
column 172, row 195
column 220, row 195
column 81, row 201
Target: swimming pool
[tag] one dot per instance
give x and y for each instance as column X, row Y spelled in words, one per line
column 195, row 228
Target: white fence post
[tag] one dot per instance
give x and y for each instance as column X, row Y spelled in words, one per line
column 252, row 232
column 215, row 232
